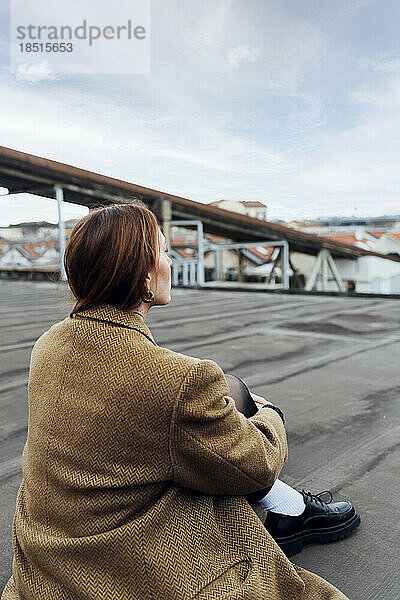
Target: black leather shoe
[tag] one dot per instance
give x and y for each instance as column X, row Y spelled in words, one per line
column 320, row 521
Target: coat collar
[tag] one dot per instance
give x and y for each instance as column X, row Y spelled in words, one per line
column 117, row 316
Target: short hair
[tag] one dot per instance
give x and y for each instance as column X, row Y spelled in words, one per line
column 109, row 254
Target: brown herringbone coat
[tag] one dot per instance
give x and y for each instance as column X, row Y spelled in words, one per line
column 134, row 472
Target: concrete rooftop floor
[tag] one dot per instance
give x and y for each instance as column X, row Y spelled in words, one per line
column 332, row 365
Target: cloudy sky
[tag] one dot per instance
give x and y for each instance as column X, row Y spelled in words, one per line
column 295, row 103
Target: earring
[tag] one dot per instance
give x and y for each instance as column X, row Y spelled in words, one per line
column 150, row 297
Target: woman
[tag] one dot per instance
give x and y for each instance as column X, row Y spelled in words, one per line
column 138, row 467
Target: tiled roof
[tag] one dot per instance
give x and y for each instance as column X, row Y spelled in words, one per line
column 184, row 253
column 267, row 256
column 365, row 243
column 216, row 238
column 376, row 234
column 247, row 203
column 351, row 238
column 181, row 239
column 251, row 203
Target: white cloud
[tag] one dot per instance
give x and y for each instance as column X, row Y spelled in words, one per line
column 359, row 164
column 386, row 66
column 35, row 72
column 66, row 128
column 241, row 53
column 384, row 97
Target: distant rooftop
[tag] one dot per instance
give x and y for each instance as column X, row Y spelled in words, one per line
column 34, row 224
column 37, row 224
column 252, row 203
column 357, row 220
column 248, row 203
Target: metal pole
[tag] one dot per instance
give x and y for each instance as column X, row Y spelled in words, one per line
column 166, row 214
column 285, row 264
column 192, row 279
column 220, row 253
column 200, row 246
column 240, row 264
column 200, row 251
column 185, row 274
column 61, row 229
column 175, row 273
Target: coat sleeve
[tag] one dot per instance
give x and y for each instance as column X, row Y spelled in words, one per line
column 214, row 448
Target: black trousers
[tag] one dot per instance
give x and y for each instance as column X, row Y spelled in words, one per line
column 245, row 404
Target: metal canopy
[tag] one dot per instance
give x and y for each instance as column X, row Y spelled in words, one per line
column 22, row 172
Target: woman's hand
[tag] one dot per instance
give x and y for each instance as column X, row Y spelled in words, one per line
column 259, row 400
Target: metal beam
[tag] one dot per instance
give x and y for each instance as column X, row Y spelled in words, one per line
column 336, row 274
column 322, row 262
column 274, row 265
column 285, row 264
column 19, row 170
column 200, row 246
column 324, row 270
column 46, row 186
column 316, row 268
column 166, row 216
column 283, row 255
column 61, row 229
column 200, row 253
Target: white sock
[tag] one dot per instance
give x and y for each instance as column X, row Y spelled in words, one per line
column 283, row 499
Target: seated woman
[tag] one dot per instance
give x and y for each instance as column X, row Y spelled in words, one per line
column 139, row 472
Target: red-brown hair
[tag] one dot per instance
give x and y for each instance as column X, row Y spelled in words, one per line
column 109, row 254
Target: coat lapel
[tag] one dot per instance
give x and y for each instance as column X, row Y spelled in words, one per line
column 117, row 316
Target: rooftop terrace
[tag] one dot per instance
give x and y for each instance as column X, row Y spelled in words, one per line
column 332, row 365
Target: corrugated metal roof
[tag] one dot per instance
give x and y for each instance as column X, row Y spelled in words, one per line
column 20, row 171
